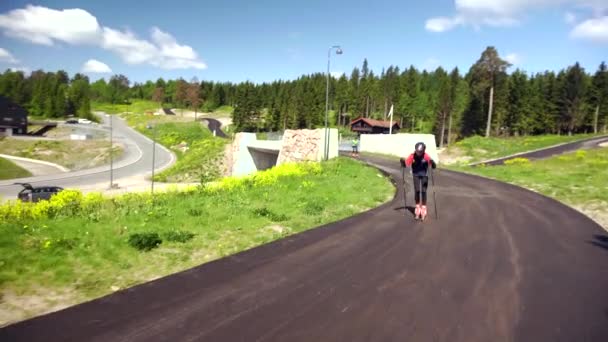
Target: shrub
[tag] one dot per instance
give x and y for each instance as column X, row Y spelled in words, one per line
column 179, row 236
column 144, row 241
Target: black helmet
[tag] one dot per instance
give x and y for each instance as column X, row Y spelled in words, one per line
column 420, row 147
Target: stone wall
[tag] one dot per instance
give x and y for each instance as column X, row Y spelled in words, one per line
column 301, row 145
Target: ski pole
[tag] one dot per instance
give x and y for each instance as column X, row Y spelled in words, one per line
column 434, row 197
column 404, row 190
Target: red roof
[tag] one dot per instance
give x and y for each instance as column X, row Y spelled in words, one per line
column 375, row 123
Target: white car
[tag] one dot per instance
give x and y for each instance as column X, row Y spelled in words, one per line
column 84, row 121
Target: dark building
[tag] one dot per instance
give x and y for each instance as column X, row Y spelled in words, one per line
column 371, row 126
column 13, row 117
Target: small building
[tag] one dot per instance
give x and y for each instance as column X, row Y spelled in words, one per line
column 13, row 118
column 371, row 126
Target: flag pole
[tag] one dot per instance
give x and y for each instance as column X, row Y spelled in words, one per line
column 390, row 130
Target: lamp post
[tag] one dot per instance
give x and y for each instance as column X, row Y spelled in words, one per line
column 111, row 151
column 326, row 145
column 153, row 128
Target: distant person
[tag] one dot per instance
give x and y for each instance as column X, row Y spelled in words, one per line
column 419, row 161
column 355, row 144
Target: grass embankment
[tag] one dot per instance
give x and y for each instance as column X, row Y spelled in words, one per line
column 10, row 170
column 75, row 155
column 136, row 106
column 199, row 153
column 475, row 149
column 579, row 179
column 72, row 249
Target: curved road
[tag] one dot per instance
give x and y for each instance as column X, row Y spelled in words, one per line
column 137, row 160
column 501, row 264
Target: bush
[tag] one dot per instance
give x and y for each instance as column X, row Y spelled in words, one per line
column 179, row 236
column 144, row 241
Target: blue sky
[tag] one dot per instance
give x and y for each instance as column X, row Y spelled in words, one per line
column 267, row 40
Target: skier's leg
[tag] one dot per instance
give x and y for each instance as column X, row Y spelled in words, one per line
column 423, row 187
column 417, row 184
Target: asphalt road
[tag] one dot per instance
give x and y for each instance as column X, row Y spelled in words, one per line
column 500, row 264
column 136, row 160
column 215, row 125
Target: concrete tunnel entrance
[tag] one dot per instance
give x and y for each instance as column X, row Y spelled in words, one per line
column 263, row 159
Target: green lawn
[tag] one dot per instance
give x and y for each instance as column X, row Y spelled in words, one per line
column 202, row 161
column 10, row 170
column 480, row 148
column 579, row 179
column 82, row 251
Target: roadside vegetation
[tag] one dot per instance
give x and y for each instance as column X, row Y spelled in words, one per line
column 74, row 155
column 74, row 248
column 10, row 170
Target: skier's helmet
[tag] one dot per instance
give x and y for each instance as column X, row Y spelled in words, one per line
column 420, row 148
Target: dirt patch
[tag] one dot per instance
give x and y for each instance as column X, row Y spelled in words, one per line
column 597, row 211
column 17, row 307
column 278, row 229
column 453, row 155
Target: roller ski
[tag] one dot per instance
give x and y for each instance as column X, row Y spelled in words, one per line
column 420, row 213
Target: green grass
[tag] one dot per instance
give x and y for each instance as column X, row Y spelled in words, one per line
column 203, row 159
column 480, row 148
column 577, row 177
column 136, row 106
column 10, row 170
column 84, row 255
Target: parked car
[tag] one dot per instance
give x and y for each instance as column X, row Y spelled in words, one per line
column 71, row 121
column 84, row 121
column 37, row 193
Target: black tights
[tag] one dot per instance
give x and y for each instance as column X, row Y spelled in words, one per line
column 418, row 197
column 420, row 185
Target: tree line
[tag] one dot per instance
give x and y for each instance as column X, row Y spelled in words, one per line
column 486, row 100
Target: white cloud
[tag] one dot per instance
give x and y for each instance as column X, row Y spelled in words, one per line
column 95, row 66
column 442, row 24
column 336, row 74
column 165, row 52
column 41, row 25
column 595, row 29
column 569, row 18
column 7, row 57
column 513, row 58
column 23, row 69
column 504, row 13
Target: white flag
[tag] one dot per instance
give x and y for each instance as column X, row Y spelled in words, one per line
column 391, row 115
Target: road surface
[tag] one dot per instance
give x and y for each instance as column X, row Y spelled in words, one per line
column 136, row 160
column 501, row 264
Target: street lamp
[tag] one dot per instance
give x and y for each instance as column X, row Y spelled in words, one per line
column 153, row 128
column 326, row 145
